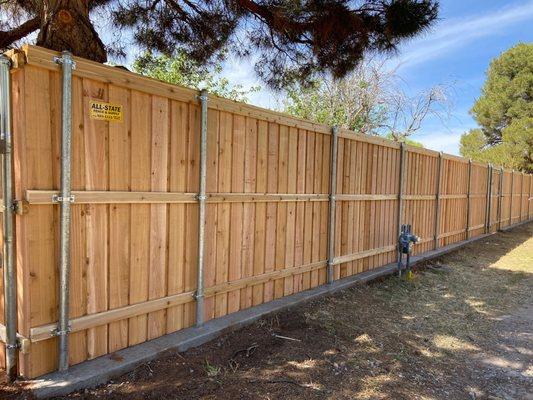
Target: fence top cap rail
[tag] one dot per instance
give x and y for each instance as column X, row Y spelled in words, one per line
column 479, row 164
column 349, row 134
column 422, row 150
column 44, row 58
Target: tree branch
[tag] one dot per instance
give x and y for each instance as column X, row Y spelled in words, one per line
column 11, row 36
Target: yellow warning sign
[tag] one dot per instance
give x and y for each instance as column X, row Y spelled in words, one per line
column 105, row 111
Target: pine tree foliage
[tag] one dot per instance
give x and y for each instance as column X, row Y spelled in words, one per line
column 290, row 40
column 504, row 112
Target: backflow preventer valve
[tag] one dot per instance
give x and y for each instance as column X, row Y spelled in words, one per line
column 405, row 245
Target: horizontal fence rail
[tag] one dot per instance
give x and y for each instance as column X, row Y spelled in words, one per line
column 289, row 205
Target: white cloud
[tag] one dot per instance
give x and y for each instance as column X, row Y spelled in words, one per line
column 445, row 141
column 455, row 33
column 241, row 71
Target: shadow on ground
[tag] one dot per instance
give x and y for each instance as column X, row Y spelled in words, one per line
column 462, row 329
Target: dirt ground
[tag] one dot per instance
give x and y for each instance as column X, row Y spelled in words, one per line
column 462, row 329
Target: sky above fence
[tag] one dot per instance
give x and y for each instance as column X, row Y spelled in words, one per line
column 456, row 52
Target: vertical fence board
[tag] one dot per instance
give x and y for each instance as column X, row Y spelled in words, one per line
column 260, row 209
column 39, row 252
column 250, row 173
column 119, row 218
column 140, row 213
column 157, row 279
column 178, row 164
column 78, row 238
column 236, row 210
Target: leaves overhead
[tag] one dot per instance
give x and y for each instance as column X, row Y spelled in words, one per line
column 181, row 70
column 288, row 40
column 293, row 39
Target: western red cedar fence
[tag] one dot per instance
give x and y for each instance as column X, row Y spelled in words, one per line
column 134, row 226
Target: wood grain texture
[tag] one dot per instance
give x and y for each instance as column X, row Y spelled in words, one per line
column 135, row 227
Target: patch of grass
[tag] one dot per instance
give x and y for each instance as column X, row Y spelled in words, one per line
column 211, row 370
column 516, row 277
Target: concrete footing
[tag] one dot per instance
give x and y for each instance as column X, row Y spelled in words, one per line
column 100, row 370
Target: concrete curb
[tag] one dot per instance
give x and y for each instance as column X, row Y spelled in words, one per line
column 100, row 370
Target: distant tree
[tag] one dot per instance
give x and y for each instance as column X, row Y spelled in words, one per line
column 355, row 102
column 504, row 112
column 369, row 100
column 293, row 40
column 474, row 145
column 182, row 70
column 405, row 140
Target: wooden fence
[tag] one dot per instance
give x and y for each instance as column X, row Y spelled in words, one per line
column 134, row 228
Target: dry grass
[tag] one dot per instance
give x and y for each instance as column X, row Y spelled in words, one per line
column 460, row 330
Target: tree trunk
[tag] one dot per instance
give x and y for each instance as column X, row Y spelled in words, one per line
column 65, row 25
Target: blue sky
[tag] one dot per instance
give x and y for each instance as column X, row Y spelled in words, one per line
column 457, row 50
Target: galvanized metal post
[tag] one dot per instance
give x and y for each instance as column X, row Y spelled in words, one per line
column 10, row 294
column 521, row 195
column 489, row 200
column 489, row 211
column 511, row 199
column 400, row 193
column 437, row 202
column 201, row 210
column 500, row 199
column 64, row 199
column 332, row 193
column 529, row 199
column 468, row 198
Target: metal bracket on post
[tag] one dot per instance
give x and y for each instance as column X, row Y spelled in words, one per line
column 64, row 199
column 59, row 199
column 55, row 332
column 21, row 344
column 61, row 60
column 199, row 295
column 332, row 199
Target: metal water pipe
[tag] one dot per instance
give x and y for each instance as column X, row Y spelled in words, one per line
column 64, row 199
column 468, row 197
column 489, row 199
column 333, row 191
column 201, row 210
column 500, row 199
column 10, row 294
column 437, row 202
